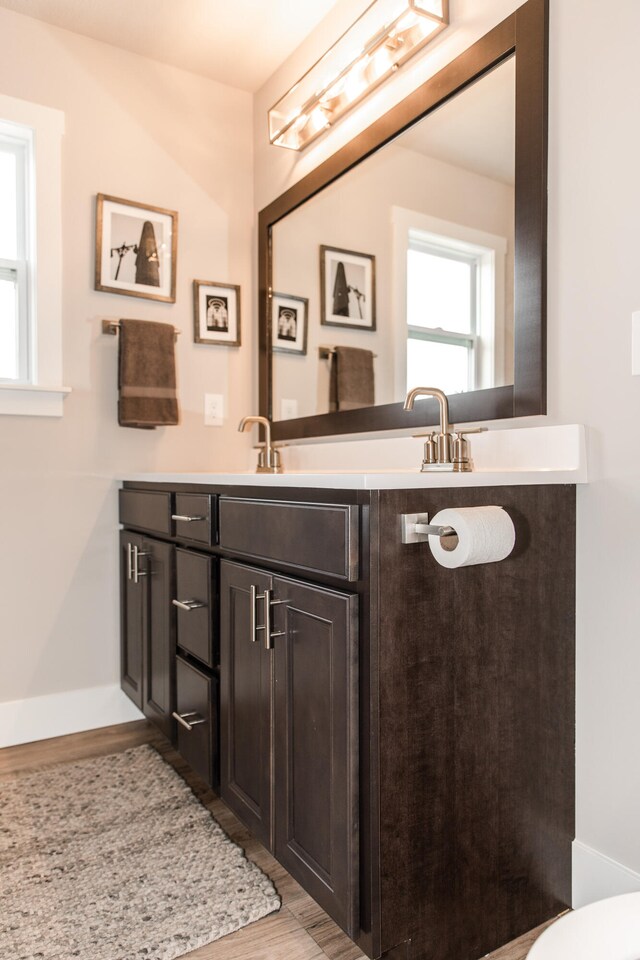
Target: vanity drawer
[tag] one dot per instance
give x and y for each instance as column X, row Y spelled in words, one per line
column 194, row 602
column 194, row 517
column 319, row 538
column 148, row 509
column 197, row 720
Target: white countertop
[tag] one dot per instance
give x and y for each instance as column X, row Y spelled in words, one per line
column 383, row 480
column 536, row 455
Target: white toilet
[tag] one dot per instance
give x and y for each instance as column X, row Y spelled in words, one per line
column 605, row 930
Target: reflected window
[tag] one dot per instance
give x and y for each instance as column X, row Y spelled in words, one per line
column 453, row 311
column 442, row 317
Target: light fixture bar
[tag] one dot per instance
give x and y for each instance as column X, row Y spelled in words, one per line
column 383, row 38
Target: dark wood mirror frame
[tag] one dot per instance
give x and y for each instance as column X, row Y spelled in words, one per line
column 524, row 33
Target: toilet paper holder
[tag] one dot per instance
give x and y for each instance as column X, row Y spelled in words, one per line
column 417, row 529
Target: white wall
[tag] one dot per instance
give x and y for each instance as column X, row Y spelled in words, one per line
column 146, row 132
column 594, row 285
column 345, row 216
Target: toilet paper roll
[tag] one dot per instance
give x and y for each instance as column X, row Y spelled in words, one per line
column 484, row 535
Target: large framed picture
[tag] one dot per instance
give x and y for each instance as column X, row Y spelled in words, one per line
column 289, row 318
column 136, row 249
column 216, row 313
column 347, row 288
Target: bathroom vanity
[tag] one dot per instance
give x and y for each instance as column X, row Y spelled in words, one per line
column 399, row 735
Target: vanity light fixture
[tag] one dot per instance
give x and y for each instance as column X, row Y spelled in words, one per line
column 384, row 37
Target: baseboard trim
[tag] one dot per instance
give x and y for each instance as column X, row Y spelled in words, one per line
column 596, row 876
column 57, row 714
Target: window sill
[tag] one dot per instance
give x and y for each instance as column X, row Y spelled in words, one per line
column 27, row 400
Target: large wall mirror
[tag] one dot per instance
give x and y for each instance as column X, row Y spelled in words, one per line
column 422, row 246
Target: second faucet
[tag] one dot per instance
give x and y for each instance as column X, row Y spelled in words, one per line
column 268, row 457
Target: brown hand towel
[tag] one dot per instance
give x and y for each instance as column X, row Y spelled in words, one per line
column 147, row 375
column 352, row 379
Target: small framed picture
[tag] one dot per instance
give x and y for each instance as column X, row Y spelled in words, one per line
column 216, row 313
column 136, row 249
column 289, row 318
column 347, row 288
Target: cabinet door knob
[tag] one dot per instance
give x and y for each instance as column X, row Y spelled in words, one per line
column 188, row 604
column 193, row 719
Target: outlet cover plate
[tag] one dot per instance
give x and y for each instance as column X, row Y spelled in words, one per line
column 213, row 409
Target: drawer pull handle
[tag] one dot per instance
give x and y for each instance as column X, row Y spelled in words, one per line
column 253, row 613
column 129, row 562
column 178, row 516
column 137, row 572
column 188, row 604
column 269, row 636
column 269, row 602
column 189, row 724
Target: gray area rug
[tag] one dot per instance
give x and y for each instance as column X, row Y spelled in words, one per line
column 115, row 859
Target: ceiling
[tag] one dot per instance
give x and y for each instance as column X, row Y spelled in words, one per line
column 238, row 42
column 474, row 130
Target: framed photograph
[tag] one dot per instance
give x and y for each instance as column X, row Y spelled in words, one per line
column 216, row 313
column 347, row 288
column 289, row 318
column 136, row 249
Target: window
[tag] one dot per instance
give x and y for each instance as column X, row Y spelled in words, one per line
column 450, row 297
column 30, row 259
column 442, row 322
column 16, row 252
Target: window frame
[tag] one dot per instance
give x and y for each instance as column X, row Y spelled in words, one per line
column 40, row 390
column 412, row 226
column 471, row 341
column 18, row 140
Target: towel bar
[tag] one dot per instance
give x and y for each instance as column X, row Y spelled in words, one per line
column 113, row 326
column 325, row 353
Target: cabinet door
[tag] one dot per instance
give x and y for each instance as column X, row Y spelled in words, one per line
column 316, row 744
column 245, row 700
column 131, row 620
column 159, row 654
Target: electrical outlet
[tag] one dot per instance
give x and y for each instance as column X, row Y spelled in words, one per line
column 213, row 409
column 288, row 409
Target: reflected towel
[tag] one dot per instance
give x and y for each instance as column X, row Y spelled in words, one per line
column 147, row 375
column 352, row 379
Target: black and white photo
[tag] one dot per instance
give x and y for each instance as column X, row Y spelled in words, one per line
column 216, row 313
column 136, row 249
column 347, row 286
column 289, row 315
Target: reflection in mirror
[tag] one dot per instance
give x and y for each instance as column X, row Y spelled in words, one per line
column 409, row 259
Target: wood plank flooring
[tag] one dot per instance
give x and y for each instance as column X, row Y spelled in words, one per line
column 299, row 931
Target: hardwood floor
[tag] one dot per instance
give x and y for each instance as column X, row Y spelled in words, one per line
column 299, row 931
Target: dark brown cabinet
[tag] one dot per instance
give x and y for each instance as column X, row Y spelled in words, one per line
column 147, row 633
column 289, row 727
column 398, row 734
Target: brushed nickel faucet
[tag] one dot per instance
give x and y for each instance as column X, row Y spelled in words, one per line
column 268, row 457
column 444, row 450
